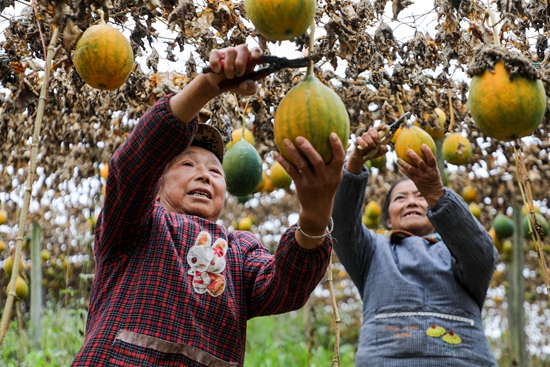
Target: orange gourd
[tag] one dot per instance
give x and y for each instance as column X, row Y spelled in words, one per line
column 412, row 137
column 103, row 57
column 469, row 194
column 314, row 111
column 280, row 19
column 280, row 179
column 456, row 149
column 435, row 123
column 504, row 108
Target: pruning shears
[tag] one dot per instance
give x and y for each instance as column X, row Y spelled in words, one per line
column 386, row 134
column 274, row 63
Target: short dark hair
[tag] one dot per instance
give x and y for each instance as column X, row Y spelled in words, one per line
column 387, row 201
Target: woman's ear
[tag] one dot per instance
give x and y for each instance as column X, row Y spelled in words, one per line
column 388, row 223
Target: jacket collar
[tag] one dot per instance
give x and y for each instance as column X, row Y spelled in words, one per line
column 397, row 235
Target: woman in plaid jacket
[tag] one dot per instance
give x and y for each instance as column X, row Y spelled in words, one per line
column 423, row 288
column 172, row 287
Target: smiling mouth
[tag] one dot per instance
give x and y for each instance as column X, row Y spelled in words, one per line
column 412, row 213
column 200, row 194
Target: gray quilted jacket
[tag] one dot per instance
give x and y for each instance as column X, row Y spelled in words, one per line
column 422, row 300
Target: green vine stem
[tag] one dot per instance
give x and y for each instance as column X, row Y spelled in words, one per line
column 534, row 226
column 26, row 199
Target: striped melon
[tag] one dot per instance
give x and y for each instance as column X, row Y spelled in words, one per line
column 314, row 111
column 280, row 19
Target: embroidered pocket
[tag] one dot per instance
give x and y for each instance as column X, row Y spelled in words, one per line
column 415, row 331
column 133, row 349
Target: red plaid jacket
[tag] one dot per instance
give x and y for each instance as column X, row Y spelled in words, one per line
column 143, row 308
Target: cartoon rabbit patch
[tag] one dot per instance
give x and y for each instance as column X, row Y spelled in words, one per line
column 207, row 262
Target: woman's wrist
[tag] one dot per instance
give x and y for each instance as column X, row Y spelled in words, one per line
column 187, row 103
column 354, row 166
column 434, row 196
column 311, row 232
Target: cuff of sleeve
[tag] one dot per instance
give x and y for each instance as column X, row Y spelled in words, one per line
column 320, row 251
column 444, row 201
column 166, row 113
column 363, row 175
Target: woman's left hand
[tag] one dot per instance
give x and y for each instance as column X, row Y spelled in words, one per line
column 425, row 175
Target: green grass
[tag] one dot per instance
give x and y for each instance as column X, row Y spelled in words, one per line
column 60, row 341
column 281, row 341
column 271, row 341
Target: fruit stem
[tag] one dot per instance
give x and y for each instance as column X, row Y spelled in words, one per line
column 101, row 14
column 243, row 124
column 400, row 107
column 310, row 49
column 451, row 124
column 493, row 25
column 243, row 119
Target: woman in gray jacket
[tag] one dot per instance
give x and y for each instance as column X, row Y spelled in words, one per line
column 423, row 288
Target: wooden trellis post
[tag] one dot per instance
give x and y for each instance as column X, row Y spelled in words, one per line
column 516, row 313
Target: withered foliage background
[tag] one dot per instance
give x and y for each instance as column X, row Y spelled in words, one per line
column 83, row 126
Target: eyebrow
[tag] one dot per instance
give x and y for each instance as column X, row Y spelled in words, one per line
column 211, row 158
column 406, row 192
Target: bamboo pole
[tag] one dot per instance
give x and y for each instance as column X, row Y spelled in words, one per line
column 336, row 315
column 26, row 199
column 36, row 285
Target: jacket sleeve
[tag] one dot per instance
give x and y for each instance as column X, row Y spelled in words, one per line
column 134, row 172
column 469, row 243
column 281, row 282
column 353, row 242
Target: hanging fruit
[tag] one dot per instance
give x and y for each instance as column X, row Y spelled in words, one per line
column 280, row 179
column 237, row 135
column 507, row 99
column 379, row 162
column 103, row 57
column 412, row 137
column 469, row 194
column 434, row 124
column 21, row 288
column 456, row 149
column 503, row 225
column 280, row 19
column 314, row 111
column 243, row 169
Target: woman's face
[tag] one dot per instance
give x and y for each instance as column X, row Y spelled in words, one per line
column 407, row 210
column 194, row 184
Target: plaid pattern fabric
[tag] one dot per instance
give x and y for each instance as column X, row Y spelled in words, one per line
column 422, row 297
column 143, row 309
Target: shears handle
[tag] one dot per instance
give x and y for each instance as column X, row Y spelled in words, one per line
column 250, row 64
column 250, row 75
column 235, row 82
column 386, row 134
column 385, row 138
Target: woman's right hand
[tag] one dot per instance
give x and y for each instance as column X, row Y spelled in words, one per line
column 187, row 103
column 235, row 61
column 364, row 144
